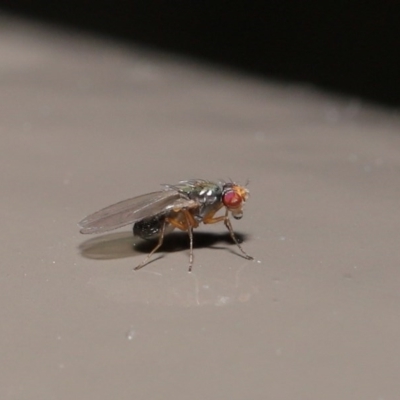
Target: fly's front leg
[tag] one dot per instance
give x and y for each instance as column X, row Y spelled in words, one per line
column 160, row 242
column 210, row 219
column 228, row 224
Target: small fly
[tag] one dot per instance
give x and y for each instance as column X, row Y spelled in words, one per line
column 183, row 206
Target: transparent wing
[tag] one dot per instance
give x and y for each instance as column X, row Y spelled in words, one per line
column 129, row 211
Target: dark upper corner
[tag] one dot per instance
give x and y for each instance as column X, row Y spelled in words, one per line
column 348, row 47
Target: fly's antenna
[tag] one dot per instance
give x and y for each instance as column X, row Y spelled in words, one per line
column 247, row 182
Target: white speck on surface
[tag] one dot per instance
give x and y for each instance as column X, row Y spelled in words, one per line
column 222, row 300
column 130, row 335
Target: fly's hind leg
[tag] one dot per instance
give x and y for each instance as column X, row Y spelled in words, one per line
column 160, row 242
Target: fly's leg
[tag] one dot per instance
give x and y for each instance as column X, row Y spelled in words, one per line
column 210, row 219
column 186, row 225
column 228, row 224
column 160, row 242
column 190, row 232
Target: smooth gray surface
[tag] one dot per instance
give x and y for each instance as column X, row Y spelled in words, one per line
column 85, row 123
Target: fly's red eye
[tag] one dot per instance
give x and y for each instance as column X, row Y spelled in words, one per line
column 231, row 199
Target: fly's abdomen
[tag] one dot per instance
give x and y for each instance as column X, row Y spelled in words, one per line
column 150, row 227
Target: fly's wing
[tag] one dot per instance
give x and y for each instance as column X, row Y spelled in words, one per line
column 128, row 211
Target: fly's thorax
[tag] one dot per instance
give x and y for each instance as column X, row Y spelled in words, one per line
column 208, row 196
column 183, row 203
column 203, row 192
column 200, row 196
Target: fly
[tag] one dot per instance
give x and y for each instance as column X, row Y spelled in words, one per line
column 183, row 206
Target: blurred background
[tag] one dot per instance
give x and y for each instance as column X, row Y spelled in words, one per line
column 347, row 47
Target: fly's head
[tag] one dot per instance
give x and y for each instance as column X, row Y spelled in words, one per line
column 233, row 198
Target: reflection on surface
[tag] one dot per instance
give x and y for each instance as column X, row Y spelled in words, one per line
column 217, row 286
column 223, row 281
